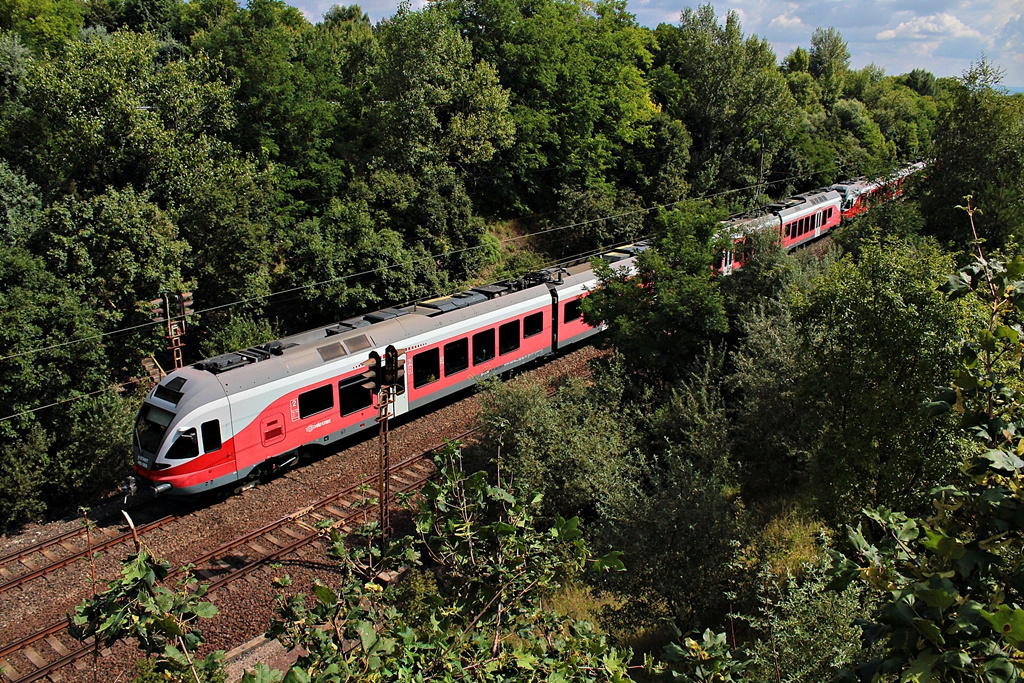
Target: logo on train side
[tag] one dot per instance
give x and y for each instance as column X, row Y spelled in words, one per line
column 318, row 425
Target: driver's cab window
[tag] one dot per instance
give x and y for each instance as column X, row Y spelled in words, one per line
column 185, row 446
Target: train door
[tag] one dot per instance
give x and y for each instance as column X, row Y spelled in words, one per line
column 817, row 224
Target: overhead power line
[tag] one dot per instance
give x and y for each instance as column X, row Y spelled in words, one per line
column 372, row 271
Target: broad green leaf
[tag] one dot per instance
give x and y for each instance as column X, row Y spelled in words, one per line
column 1008, row 622
column 205, row 610
column 367, row 635
column 324, row 594
column 922, row 669
column 929, row 630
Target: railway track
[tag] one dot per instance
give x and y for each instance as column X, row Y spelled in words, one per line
column 45, row 557
column 44, row 653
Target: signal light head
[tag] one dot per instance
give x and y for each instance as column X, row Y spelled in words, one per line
column 374, row 370
column 157, row 309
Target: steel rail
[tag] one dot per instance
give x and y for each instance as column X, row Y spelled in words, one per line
column 237, row 573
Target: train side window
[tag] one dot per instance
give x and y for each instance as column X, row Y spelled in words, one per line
column 789, row 227
column 508, row 337
column 533, row 324
column 211, row 436
column 483, row 347
column 573, row 310
column 316, row 401
column 186, row 446
column 353, row 396
column 426, row 367
column 456, row 356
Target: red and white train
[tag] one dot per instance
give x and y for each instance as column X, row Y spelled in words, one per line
column 231, row 417
column 806, row 217
column 861, row 194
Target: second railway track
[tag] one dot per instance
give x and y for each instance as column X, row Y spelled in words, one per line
column 45, row 652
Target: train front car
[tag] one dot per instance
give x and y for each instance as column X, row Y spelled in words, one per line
column 182, row 442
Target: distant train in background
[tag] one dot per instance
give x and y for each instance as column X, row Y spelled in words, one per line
column 805, row 217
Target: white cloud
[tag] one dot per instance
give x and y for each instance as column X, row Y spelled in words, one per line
column 934, row 26
column 787, row 21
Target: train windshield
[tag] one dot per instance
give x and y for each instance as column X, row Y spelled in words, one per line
column 150, row 427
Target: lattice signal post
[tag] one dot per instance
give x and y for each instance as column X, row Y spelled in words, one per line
column 172, row 309
column 386, row 377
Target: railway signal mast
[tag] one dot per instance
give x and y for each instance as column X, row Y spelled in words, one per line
column 172, row 309
column 386, row 377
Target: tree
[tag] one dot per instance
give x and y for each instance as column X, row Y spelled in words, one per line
column 679, row 521
column 979, row 150
column 920, row 81
column 435, row 104
column 53, row 354
column 661, row 317
column 578, row 97
column 300, row 90
column 119, row 250
column 111, row 112
column 43, row 25
column 572, row 448
column 949, row 582
column 728, row 92
column 829, row 60
column 875, row 336
column 806, row 630
column 350, row 261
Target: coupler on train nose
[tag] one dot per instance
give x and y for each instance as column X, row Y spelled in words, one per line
column 131, row 486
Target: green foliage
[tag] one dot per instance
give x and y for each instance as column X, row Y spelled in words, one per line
column 162, row 622
column 920, row 81
column 113, row 248
column 493, row 566
column 679, row 529
column 571, row 448
column 950, row 580
column 728, row 92
column 351, row 262
column 436, row 105
column 806, row 630
column 42, row 24
column 15, row 59
column 578, row 97
column 866, row 340
column 239, row 332
column 661, row 317
column 709, row 660
column 149, row 671
column 829, row 60
column 24, row 461
column 979, row 150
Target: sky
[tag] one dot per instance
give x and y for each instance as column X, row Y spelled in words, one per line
column 941, row 36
